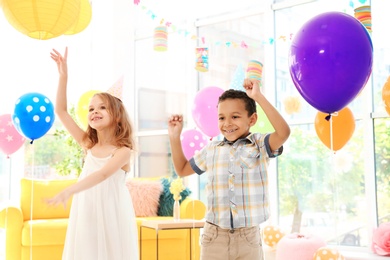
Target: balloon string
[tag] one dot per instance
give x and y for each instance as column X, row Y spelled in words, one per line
column 9, row 199
column 32, row 199
column 329, row 118
column 331, row 133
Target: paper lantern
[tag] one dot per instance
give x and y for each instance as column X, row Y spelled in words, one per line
column 161, row 38
column 363, row 14
column 254, row 70
column 83, row 19
column 272, row 235
column 41, row 19
column 324, row 253
column 202, row 59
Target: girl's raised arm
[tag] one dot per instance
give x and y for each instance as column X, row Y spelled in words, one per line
column 61, row 107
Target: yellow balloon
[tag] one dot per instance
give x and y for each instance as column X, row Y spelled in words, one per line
column 83, row 19
column 82, row 107
column 41, row 19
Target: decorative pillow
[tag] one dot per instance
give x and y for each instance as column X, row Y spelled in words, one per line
column 145, row 196
column 166, row 198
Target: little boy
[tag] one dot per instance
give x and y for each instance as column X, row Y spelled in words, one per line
column 236, row 167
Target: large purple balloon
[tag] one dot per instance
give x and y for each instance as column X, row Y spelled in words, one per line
column 205, row 111
column 331, row 60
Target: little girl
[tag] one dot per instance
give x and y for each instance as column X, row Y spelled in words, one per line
column 102, row 222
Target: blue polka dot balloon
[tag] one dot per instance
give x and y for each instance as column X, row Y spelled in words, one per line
column 33, row 115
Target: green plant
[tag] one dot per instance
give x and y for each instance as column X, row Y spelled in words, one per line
column 73, row 158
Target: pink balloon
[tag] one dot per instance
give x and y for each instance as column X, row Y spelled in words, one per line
column 10, row 139
column 192, row 141
column 205, row 112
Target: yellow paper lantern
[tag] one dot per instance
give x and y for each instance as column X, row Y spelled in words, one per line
column 41, row 19
column 83, row 19
column 272, row 235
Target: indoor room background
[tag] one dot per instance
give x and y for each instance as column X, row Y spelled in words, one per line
column 340, row 195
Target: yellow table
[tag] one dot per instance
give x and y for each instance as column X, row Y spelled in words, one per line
column 169, row 225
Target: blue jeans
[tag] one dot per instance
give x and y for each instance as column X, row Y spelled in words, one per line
column 225, row 244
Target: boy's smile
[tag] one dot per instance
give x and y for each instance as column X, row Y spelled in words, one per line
column 233, row 119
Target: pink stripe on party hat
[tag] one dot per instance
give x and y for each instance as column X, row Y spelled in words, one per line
column 117, row 88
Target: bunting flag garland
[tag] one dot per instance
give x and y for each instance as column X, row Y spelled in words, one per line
column 229, row 44
column 186, row 33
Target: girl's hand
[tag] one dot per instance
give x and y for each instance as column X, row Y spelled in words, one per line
column 175, row 125
column 61, row 198
column 61, row 61
column 252, row 88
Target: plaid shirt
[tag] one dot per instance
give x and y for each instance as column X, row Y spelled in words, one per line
column 237, row 187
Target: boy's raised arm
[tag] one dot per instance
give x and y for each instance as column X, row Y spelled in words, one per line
column 180, row 162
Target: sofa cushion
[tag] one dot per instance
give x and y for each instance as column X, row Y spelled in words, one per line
column 145, row 196
column 44, row 232
column 166, row 198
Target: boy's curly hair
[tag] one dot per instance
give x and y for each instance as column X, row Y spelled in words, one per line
column 250, row 104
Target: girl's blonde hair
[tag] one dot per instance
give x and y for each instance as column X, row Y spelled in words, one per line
column 121, row 122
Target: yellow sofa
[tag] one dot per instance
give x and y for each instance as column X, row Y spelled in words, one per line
column 42, row 230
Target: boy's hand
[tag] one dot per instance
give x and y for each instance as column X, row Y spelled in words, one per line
column 252, row 87
column 175, row 125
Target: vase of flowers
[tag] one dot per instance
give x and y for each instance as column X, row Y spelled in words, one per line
column 176, row 188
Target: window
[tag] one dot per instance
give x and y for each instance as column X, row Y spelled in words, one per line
column 163, row 85
column 228, row 57
column 382, row 168
column 316, row 183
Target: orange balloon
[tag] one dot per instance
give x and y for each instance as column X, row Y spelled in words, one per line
column 343, row 126
column 386, row 95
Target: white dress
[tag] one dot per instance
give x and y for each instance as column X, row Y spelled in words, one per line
column 102, row 223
